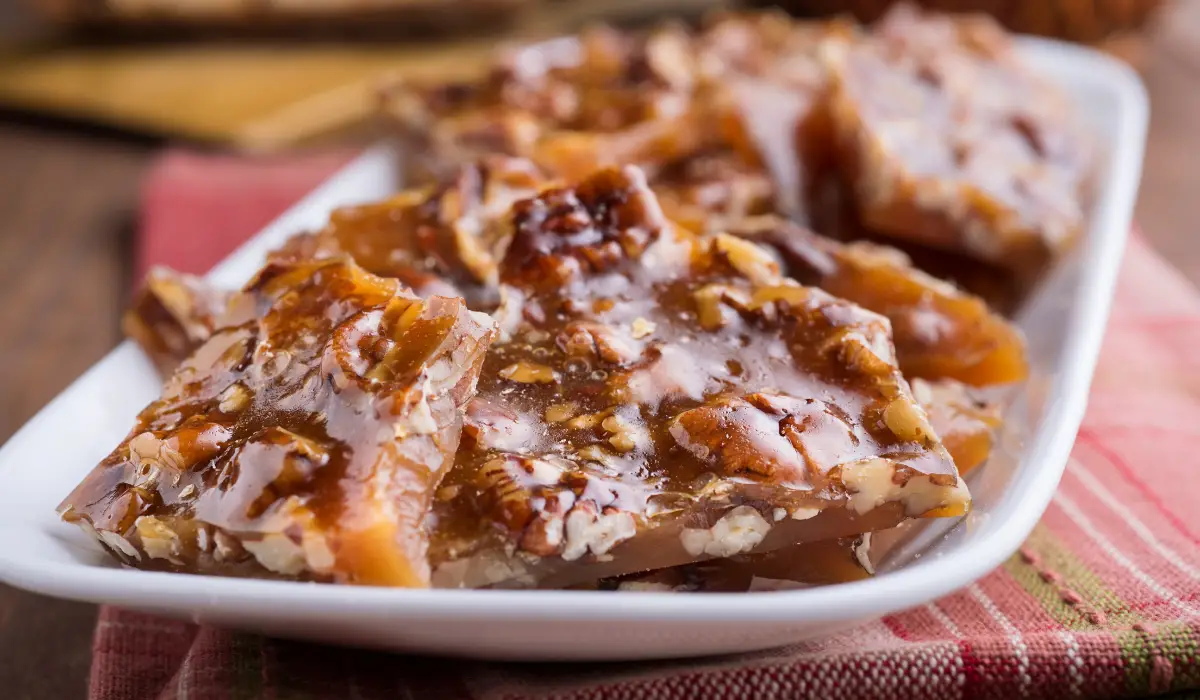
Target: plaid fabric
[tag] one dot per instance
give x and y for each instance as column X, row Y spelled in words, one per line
column 1100, row 602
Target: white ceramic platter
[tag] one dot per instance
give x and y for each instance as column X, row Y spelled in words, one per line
column 1064, row 323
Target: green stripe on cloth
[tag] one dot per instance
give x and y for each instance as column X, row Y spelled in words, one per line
column 1054, row 577
column 1159, row 657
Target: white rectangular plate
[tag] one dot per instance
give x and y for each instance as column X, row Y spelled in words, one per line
column 1064, row 323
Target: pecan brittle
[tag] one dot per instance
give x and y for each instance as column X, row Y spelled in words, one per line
column 303, row 439
column 658, row 398
column 745, row 90
column 951, row 141
column 964, row 420
column 172, row 315
column 939, row 330
column 444, row 239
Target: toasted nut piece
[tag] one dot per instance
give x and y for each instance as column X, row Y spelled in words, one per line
column 710, row 309
column 625, row 435
column 277, row 553
column 560, row 412
column 586, row 338
column 739, row 530
column 530, row 373
column 751, row 260
column 234, row 399
column 586, row 421
column 640, row 328
column 158, row 540
column 906, row 419
column 596, row 532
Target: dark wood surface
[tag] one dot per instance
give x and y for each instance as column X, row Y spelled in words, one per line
column 68, row 199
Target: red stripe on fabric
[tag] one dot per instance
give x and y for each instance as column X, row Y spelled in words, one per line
column 969, row 616
column 1122, row 466
column 1130, row 590
column 974, row 683
column 922, row 626
column 1024, row 611
column 893, row 623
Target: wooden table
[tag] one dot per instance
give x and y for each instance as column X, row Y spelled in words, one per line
column 69, row 197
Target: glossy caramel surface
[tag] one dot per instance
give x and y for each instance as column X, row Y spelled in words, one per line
column 646, row 374
column 304, row 438
column 674, row 372
column 444, row 239
column 950, row 141
column 743, row 90
column 172, row 315
column 939, row 331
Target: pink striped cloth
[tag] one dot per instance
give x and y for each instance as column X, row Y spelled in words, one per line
column 1100, row 602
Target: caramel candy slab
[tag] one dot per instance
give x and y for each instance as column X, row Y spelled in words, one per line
column 748, row 87
column 940, row 332
column 172, row 315
column 709, row 193
column 964, row 419
column 570, row 104
column 304, row 439
column 658, row 399
column 950, row 141
column 820, row 563
column 444, row 239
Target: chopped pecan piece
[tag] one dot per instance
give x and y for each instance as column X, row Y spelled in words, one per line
column 304, row 440
column 172, row 315
column 683, row 446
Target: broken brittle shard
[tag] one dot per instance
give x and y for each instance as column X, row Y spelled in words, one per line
column 303, row 439
column 172, row 315
column 657, row 398
column 940, row 331
column 744, row 94
column 949, row 140
column 442, row 239
column 964, row 418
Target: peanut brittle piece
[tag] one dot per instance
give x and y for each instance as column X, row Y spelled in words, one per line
column 950, row 141
column 304, row 439
column 657, row 398
column 966, row 423
column 443, row 239
column 172, row 315
column 939, row 331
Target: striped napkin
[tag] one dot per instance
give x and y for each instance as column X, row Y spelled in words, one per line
column 1101, row 601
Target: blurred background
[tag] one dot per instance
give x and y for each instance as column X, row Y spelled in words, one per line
column 93, row 91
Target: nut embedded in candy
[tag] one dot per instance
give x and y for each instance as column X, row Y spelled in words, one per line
column 683, row 445
column 303, row 442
